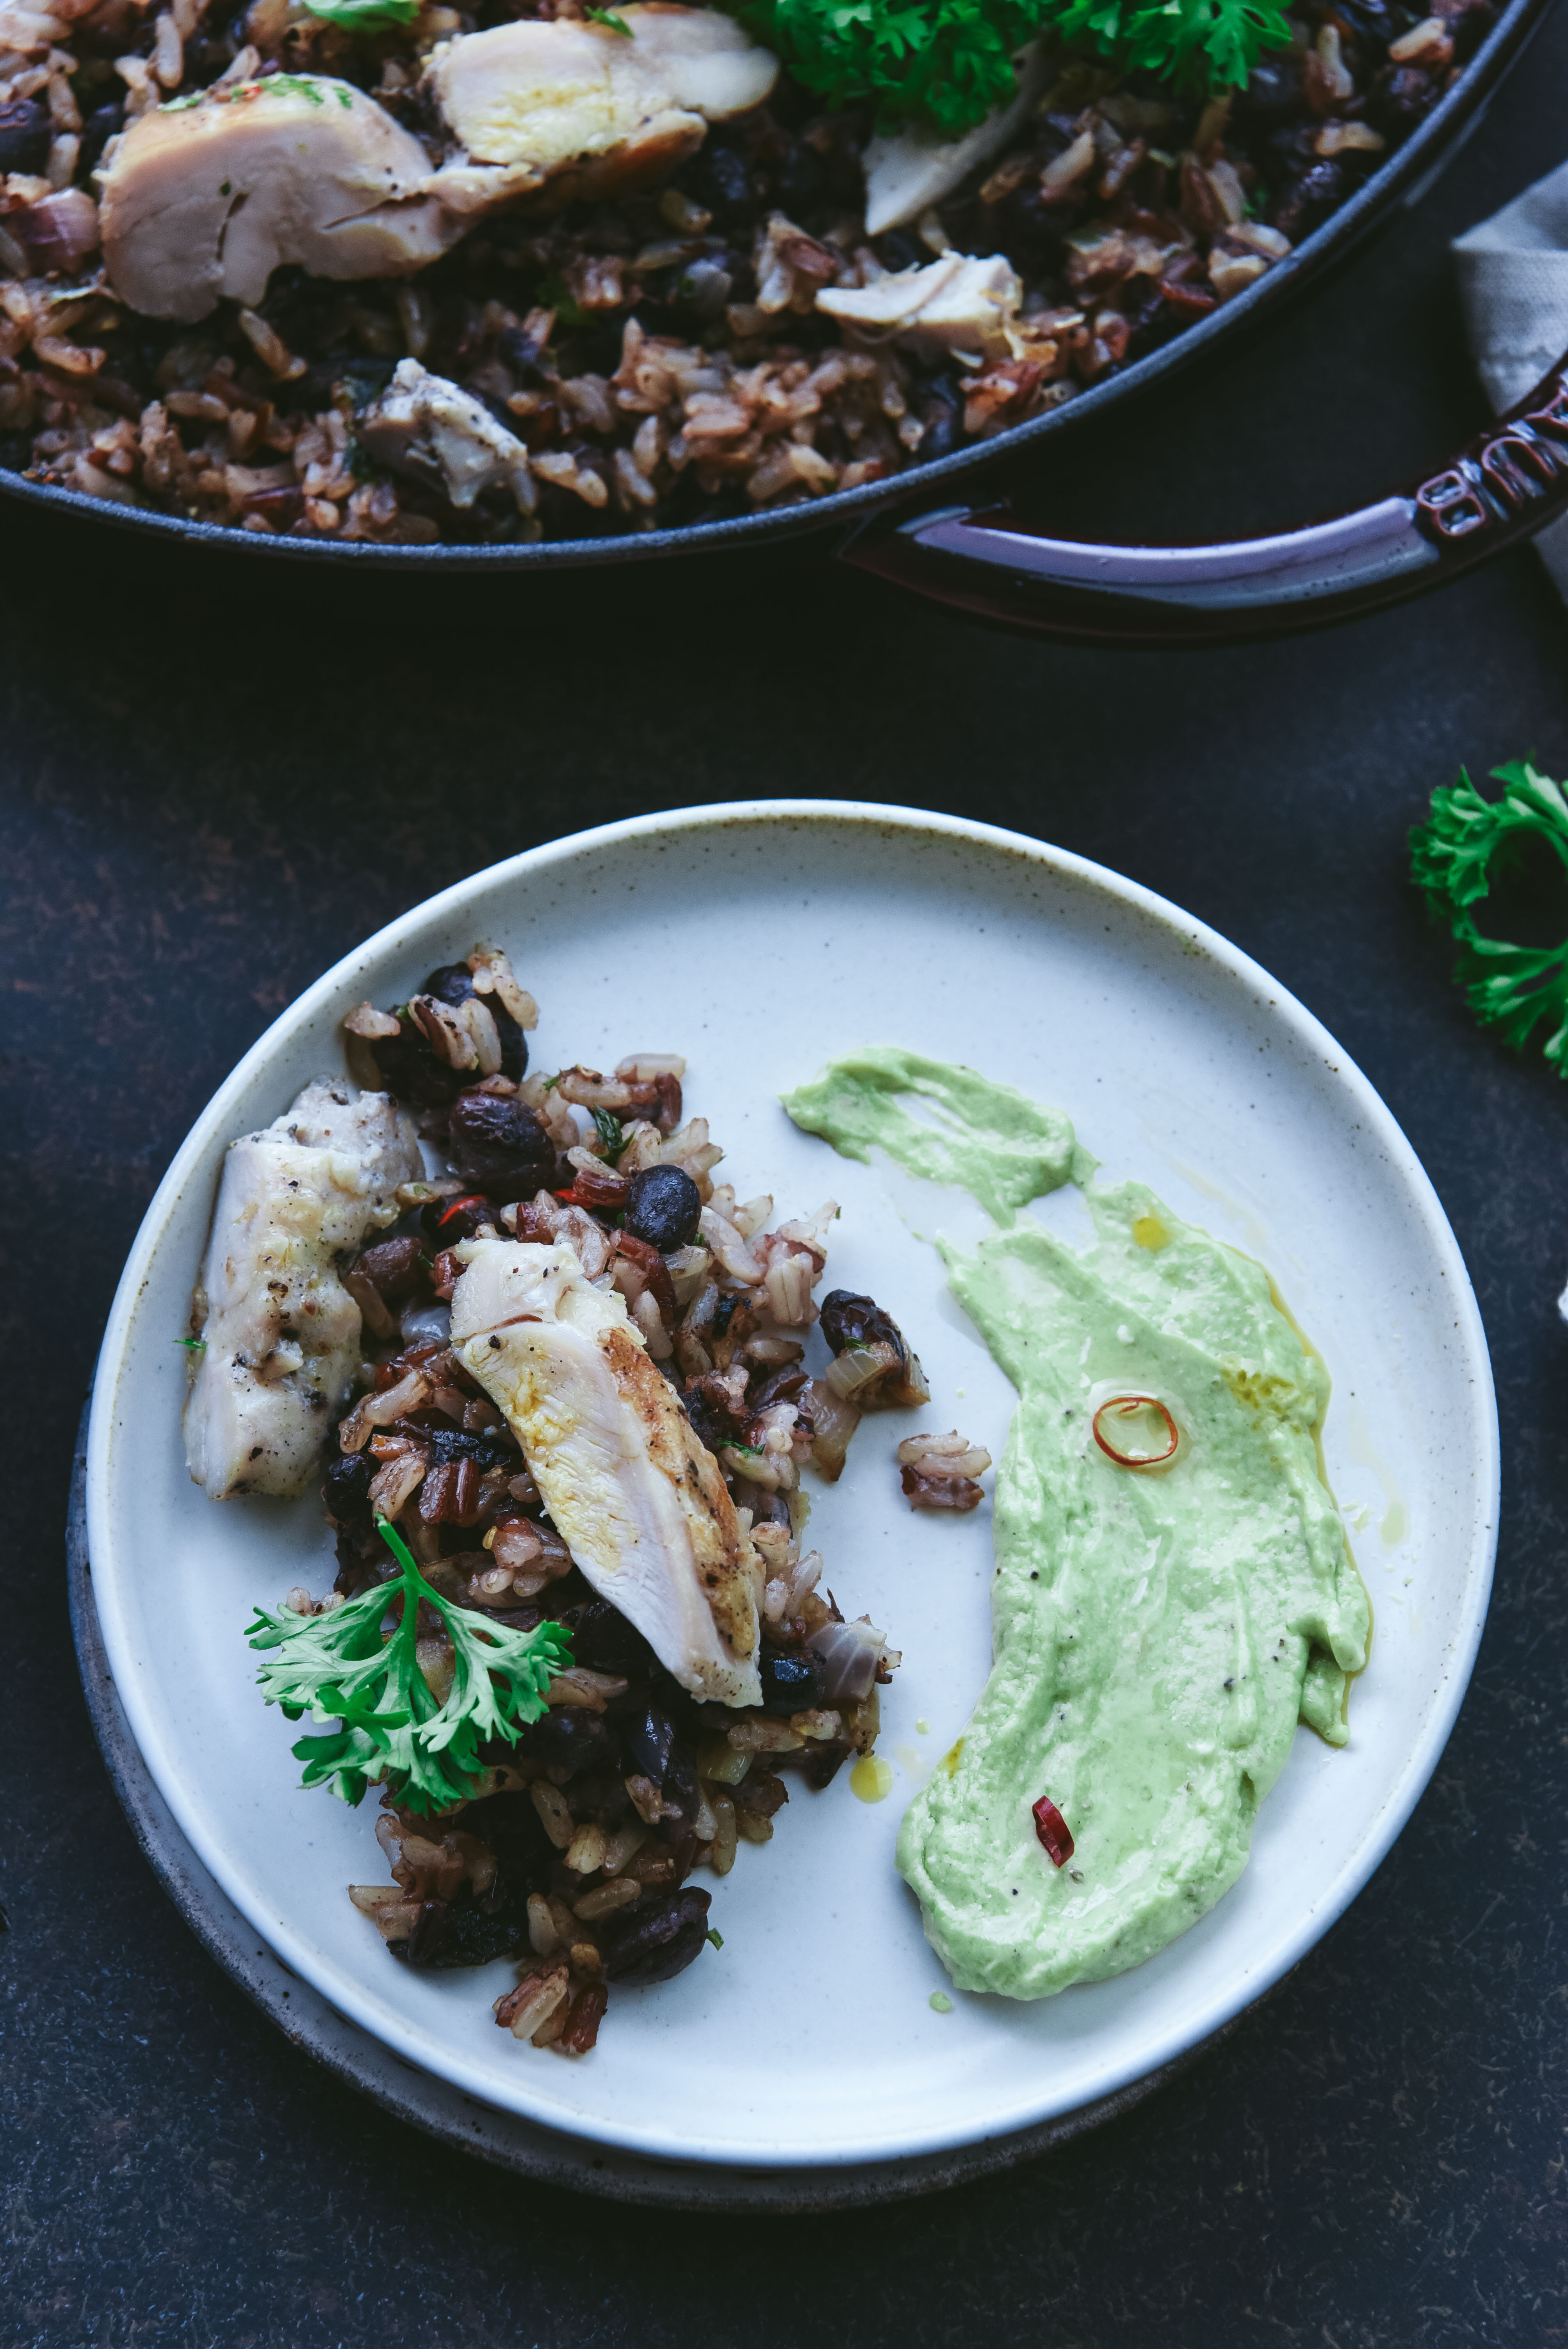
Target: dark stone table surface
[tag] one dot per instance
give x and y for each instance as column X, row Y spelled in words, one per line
column 217, row 778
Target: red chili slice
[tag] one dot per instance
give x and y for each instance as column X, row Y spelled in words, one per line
column 1123, row 1405
column 1054, row 1831
column 472, row 1199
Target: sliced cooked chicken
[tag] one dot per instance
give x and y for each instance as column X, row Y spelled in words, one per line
column 913, row 169
column 429, row 428
column 281, row 1332
column 590, row 108
column 958, row 304
column 207, row 199
column 638, row 1500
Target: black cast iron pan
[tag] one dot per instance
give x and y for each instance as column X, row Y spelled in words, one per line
column 922, row 532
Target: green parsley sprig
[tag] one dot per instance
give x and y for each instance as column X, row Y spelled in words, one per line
column 390, row 1725
column 1203, row 43
column 611, row 1133
column 364, row 15
column 553, row 295
column 949, row 62
column 1455, row 855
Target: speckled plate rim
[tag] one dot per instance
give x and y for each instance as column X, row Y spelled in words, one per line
column 349, row 977
column 310, row 2022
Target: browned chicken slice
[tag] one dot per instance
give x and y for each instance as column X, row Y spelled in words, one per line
column 637, row 1498
column 590, row 108
column 957, row 304
column 279, row 1332
column 205, row 200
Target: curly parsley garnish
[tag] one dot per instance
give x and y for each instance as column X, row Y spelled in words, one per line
column 949, row 62
column 364, row 15
column 1468, row 843
column 390, row 1725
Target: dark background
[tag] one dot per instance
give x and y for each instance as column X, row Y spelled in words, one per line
column 218, row 777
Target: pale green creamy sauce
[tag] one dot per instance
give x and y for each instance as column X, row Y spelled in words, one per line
column 1158, row 1633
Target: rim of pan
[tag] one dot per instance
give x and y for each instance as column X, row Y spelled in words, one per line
column 1404, row 178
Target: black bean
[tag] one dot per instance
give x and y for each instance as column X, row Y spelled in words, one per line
column 475, row 1935
column 104, row 123
column 26, row 133
column 1273, row 93
column 396, row 1268
column 791, row 1681
column 1306, row 200
column 701, row 290
column 683, row 1796
column 346, row 1491
column 786, row 1385
column 423, row 1945
column 1401, row 97
column 454, row 983
column 512, row 1829
column 650, row 1738
column 663, row 1206
column 603, row 1640
column 849, row 1319
column 447, row 1221
column 801, row 179
column 363, row 1558
column 497, row 1145
column 410, row 1068
column 939, row 404
column 449, row 1445
column 657, row 1939
column 570, row 1740
column 472, row 1932
column 1371, row 18
column 719, row 179
column 522, row 352
column 896, row 249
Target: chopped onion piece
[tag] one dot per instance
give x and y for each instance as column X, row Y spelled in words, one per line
column 850, row 1654
column 857, row 1366
column 834, row 1422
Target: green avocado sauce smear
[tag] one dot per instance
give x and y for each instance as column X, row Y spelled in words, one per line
column 1160, row 1625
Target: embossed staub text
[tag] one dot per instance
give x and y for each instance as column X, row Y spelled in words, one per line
column 1508, row 470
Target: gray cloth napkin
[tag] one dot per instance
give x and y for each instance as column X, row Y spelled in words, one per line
column 1514, row 285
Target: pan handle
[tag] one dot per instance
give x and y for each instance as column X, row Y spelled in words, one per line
column 1504, row 487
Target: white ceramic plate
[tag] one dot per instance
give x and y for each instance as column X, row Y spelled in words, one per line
column 757, row 939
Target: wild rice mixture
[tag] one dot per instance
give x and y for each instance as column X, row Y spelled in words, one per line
column 655, row 357
column 575, row 1853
